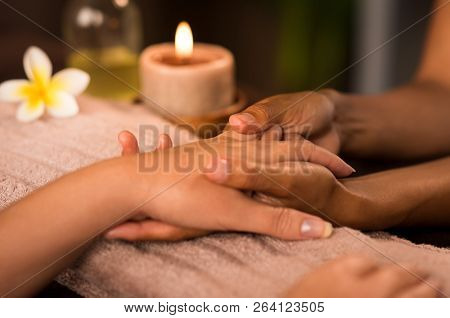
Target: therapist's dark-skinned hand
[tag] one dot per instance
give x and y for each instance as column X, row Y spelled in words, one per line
column 303, row 114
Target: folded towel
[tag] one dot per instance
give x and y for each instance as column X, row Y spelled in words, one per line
column 219, row 265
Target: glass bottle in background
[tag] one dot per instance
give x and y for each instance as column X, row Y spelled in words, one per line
column 108, row 32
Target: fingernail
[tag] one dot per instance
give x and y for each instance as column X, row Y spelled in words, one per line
column 219, row 171
column 111, row 234
column 315, row 228
column 346, row 170
column 351, row 168
column 241, row 118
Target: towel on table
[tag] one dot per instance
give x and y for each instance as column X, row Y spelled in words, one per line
column 219, row 265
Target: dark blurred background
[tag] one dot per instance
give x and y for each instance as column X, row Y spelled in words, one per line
column 279, row 46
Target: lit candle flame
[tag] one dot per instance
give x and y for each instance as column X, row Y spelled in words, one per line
column 184, row 42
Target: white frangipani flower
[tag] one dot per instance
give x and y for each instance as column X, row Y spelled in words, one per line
column 42, row 91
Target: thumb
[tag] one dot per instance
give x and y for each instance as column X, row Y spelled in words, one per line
column 279, row 222
column 252, row 120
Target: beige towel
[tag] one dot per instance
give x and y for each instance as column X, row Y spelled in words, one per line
column 219, row 265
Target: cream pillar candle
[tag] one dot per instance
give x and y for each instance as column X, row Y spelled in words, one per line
column 186, row 79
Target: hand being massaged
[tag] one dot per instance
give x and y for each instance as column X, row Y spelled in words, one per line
column 306, row 181
column 251, row 150
column 330, row 120
column 288, row 176
column 159, row 195
column 310, row 180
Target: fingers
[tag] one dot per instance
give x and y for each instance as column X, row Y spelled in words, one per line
column 305, row 150
column 394, row 278
column 247, row 122
column 355, row 265
column 359, row 276
column 152, row 230
column 130, row 145
column 212, row 207
column 300, row 112
column 282, row 151
column 128, row 142
column 250, row 216
column 288, row 224
column 164, row 142
column 275, row 180
column 292, row 150
column 271, row 110
column 257, row 178
column 427, row 289
column 329, row 141
column 274, row 133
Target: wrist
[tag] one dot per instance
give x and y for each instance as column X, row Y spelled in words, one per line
column 344, row 112
column 347, row 203
column 350, row 122
column 378, row 202
column 133, row 187
column 144, row 178
column 360, row 124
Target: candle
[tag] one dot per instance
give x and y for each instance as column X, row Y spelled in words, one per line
column 187, row 79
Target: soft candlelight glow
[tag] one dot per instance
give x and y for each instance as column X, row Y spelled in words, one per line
column 184, row 42
column 191, row 82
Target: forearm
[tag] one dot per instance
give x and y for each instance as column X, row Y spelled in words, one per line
column 413, row 196
column 43, row 232
column 410, row 122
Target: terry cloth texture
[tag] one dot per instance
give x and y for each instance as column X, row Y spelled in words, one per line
column 219, row 265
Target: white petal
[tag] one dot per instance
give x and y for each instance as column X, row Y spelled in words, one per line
column 71, row 80
column 28, row 112
column 37, row 65
column 62, row 105
column 10, row 91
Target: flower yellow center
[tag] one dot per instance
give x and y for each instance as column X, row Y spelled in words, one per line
column 40, row 89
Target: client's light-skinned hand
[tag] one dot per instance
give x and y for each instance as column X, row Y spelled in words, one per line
column 244, row 213
column 145, row 228
column 304, row 114
column 360, row 276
